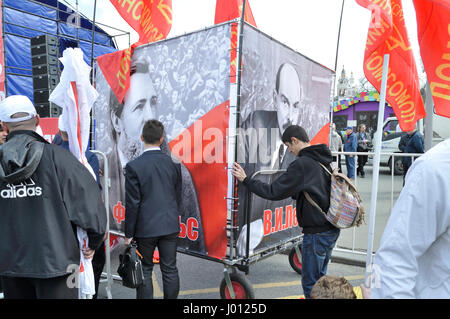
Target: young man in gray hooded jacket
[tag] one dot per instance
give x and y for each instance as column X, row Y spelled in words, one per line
column 45, row 194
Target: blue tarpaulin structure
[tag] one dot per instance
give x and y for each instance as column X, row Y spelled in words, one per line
column 25, row 19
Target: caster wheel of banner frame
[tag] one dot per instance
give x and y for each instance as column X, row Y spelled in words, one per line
column 242, row 287
column 296, row 261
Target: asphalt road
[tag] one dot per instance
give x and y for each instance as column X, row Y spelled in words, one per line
column 273, row 277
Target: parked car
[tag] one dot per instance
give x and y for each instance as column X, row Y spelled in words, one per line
column 389, row 144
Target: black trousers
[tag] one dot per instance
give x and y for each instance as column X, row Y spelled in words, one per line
column 362, row 160
column 37, row 288
column 167, row 247
column 98, row 262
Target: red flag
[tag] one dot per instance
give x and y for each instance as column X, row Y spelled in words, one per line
column 323, row 136
column 433, row 32
column 152, row 20
column 115, row 67
column 387, row 35
column 227, row 10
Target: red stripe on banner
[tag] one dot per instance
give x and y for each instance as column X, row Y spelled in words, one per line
column 227, row 10
column 233, row 52
column 203, row 150
column 75, row 93
column 323, row 136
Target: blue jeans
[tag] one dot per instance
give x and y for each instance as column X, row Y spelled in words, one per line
column 350, row 163
column 316, row 253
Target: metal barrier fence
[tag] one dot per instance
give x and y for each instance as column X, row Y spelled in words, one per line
column 354, row 241
column 108, row 274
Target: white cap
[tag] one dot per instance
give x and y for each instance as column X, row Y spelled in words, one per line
column 14, row 104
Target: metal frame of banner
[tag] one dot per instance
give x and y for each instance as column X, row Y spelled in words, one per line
column 233, row 124
column 185, row 34
column 235, row 183
column 107, row 241
column 243, row 262
column 232, row 261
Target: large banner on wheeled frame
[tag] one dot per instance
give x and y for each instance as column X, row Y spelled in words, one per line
column 183, row 82
column 279, row 87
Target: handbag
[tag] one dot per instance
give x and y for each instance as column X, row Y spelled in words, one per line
column 130, row 267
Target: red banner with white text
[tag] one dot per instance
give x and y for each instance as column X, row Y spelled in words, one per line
column 387, row 35
column 151, row 19
column 433, row 31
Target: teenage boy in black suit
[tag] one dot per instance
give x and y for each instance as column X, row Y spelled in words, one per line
column 152, row 198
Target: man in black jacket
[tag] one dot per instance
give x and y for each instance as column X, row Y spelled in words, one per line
column 45, row 193
column 152, row 199
column 303, row 174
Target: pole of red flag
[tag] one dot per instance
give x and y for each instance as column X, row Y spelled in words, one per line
column 92, row 43
column 335, row 70
column 371, row 271
column 429, row 108
column 339, row 36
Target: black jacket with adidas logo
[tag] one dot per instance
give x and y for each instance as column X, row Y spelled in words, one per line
column 45, row 193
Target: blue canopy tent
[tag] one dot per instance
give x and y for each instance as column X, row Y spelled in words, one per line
column 26, row 19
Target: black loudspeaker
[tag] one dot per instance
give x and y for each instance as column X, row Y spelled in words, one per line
column 44, row 59
column 41, row 96
column 48, row 109
column 44, row 39
column 45, row 70
column 45, row 82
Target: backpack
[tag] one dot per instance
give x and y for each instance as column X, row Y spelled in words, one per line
column 345, row 209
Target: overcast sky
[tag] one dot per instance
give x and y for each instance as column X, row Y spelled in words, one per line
column 308, row 26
